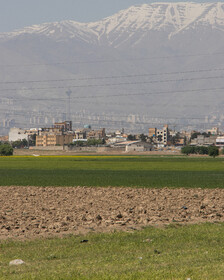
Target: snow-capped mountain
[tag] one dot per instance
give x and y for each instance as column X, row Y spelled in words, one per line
column 171, row 18
column 60, row 31
column 150, row 38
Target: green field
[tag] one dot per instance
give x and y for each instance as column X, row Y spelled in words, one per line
column 141, row 171
column 175, row 252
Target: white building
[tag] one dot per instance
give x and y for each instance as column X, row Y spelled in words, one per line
column 116, row 139
column 135, row 146
column 138, row 147
column 220, row 141
column 213, row 131
column 16, row 134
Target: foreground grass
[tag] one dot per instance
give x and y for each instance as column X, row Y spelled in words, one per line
column 112, row 171
column 174, row 252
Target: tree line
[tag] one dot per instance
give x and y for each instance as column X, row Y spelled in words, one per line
column 212, row 151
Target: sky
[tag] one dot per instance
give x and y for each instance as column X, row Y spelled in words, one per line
column 16, row 14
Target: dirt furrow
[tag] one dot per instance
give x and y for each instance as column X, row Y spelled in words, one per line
column 30, row 212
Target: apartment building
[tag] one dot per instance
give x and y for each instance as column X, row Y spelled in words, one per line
column 64, row 126
column 54, row 140
column 97, row 134
column 163, row 135
column 58, row 135
column 160, row 136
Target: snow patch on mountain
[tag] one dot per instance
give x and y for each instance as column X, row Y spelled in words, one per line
column 167, row 17
column 170, row 18
column 59, row 31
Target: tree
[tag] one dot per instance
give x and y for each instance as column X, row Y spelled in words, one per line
column 94, row 142
column 24, row 143
column 131, row 137
column 194, row 135
column 143, row 137
column 213, row 151
column 32, row 140
column 206, row 134
column 20, row 144
column 6, row 150
column 79, row 143
column 203, row 150
column 187, row 150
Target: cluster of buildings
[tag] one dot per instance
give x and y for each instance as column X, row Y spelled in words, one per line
column 59, row 134
column 62, row 134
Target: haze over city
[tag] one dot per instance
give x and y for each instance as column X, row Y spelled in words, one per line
column 143, row 66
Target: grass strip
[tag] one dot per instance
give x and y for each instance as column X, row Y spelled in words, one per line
column 173, row 252
column 94, row 178
column 126, row 171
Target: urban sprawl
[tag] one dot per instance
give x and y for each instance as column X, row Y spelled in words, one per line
column 61, row 136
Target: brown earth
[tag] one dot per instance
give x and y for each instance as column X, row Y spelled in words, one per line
column 30, row 212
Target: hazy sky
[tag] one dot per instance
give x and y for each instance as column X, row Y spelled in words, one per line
column 20, row 13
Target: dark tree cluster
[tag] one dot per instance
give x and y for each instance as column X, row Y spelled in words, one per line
column 6, row 150
column 20, row 144
column 195, row 134
column 89, row 142
column 201, row 150
column 131, row 137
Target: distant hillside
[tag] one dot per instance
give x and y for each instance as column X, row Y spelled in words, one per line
column 160, row 60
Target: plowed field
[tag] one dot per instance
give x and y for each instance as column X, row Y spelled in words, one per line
column 30, row 212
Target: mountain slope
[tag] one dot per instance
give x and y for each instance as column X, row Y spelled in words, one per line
column 171, row 18
column 148, row 39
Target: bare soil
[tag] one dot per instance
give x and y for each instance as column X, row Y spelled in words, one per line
column 31, row 212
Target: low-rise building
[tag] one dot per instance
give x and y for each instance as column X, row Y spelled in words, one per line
column 152, row 132
column 58, row 135
column 213, row 131
column 139, row 147
column 220, row 141
column 4, row 138
column 202, row 140
column 49, row 130
column 80, row 134
column 54, row 140
column 16, row 134
column 135, row 146
column 96, row 134
column 64, row 126
column 116, row 139
column 180, row 142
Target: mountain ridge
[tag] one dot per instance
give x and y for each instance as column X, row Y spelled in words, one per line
column 166, row 17
column 158, row 38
